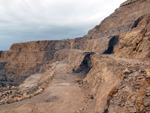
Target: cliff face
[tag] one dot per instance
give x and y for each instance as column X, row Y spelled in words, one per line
column 120, row 21
column 119, row 85
column 136, row 42
column 24, row 59
column 112, row 60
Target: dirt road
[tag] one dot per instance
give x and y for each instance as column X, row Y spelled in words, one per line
column 63, row 95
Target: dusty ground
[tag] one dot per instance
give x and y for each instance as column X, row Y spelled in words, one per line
column 63, row 95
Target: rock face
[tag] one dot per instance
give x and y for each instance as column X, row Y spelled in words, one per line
column 122, row 19
column 24, row 59
column 112, row 61
column 132, row 94
column 136, row 42
column 119, row 85
column 128, row 2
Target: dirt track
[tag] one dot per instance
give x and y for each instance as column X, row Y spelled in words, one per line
column 63, row 95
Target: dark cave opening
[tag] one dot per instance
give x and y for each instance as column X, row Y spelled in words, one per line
column 136, row 22
column 85, row 66
column 112, row 43
column 1, row 53
column 105, row 111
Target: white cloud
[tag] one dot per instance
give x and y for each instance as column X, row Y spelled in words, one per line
column 25, row 20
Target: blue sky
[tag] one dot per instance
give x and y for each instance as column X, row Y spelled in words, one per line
column 28, row 20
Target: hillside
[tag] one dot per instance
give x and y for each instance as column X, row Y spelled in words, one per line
column 105, row 71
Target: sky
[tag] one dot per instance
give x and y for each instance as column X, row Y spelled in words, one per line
column 29, row 20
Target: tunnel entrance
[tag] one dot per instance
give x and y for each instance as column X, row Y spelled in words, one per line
column 112, row 43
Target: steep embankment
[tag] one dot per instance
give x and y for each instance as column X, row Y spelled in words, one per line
column 119, row 85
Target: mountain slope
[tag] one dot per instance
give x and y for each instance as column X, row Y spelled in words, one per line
column 108, row 69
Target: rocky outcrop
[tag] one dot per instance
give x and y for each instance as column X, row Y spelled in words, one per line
column 121, row 20
column 128, row 2
column 136, row 42
column 132, row 93
column 118, row 85
column 102, row 79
